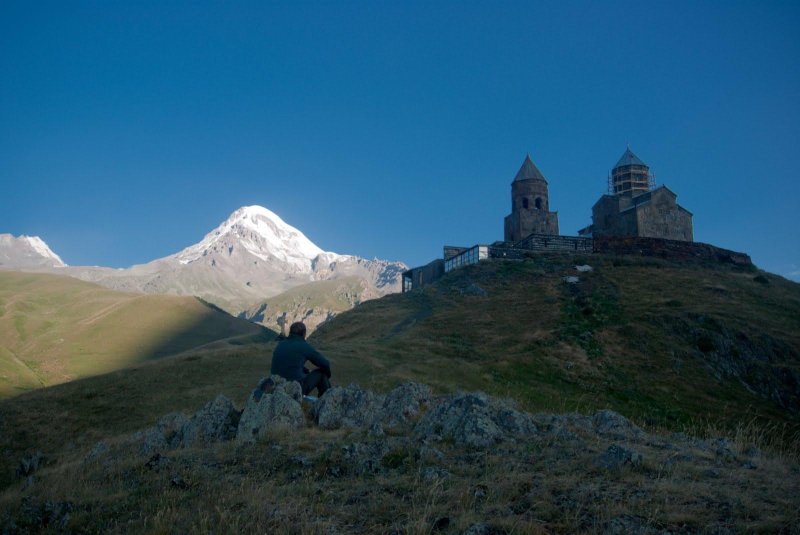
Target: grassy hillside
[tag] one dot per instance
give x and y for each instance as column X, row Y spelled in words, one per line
column 55, row 329
column 311, row 303
column 666, row 343
column 709, row 349
column 636, row 336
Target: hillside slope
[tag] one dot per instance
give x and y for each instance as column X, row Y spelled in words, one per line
column 313, row 303
column 55, row 329
column 711, row 350
column 664, row 342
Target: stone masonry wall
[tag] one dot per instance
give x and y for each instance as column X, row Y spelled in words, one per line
column 672, row 249
column 663, row 218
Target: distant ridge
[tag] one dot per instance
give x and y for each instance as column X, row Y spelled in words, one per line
column 249, row 257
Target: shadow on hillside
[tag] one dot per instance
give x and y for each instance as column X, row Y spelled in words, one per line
column 214, row 327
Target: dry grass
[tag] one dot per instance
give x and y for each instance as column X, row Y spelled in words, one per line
column 623, row 339
column 55, row 329
column 301, row 482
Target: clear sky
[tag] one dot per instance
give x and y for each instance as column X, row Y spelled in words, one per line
column 388, row 129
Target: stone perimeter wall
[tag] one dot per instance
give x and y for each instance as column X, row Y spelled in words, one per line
column 672, row 249
column 616, row 245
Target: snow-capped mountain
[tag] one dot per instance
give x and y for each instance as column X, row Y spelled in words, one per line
column 249, row 257
column 27, row 251
column 261, row 233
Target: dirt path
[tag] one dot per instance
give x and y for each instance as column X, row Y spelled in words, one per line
column 103, row 312
column 16, row 360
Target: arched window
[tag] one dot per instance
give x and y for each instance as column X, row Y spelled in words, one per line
column 525, row 202
column 538, row 203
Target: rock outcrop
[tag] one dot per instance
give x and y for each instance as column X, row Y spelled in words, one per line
column 279, row 409
column 474, row 420
column 415, row 417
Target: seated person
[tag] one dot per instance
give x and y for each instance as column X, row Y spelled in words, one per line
column 290, row 356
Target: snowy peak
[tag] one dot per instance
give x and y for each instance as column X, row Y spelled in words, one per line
column 261, row 233
column 27, row 251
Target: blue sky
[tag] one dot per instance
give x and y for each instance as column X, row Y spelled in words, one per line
column 130, row 129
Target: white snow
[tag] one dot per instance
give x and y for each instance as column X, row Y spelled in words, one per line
column 41, row 248
column 263, row 234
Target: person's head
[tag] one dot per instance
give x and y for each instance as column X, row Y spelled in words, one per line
column 298, row 328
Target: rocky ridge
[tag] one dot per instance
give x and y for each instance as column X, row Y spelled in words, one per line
column 473, row 442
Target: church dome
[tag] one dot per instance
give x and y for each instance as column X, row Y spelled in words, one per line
column 629, row 158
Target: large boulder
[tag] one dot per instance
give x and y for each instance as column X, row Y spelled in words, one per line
column 613, row 425
column 166, row 434
column 346, row 407
column 357, row 408
column 403, row 403
column 616, row 457
column 474, row 420
column 279, row 409
column 216, row 421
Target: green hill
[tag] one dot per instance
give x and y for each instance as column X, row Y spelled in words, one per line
column 675, row 345
column 668, row 343
column 708, row 349
column 56, row 329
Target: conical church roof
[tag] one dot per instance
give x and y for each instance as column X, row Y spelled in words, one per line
column 629, row 158
column 528, row 171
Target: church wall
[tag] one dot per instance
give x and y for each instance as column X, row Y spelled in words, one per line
column 663, row 218
column 608, row 221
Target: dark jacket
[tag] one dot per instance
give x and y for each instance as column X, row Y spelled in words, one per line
column 290, row 356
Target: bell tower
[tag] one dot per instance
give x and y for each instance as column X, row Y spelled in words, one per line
column 630, row 177
column 530, row 205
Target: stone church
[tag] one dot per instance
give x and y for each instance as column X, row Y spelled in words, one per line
column 530, row 205
column 634, row 207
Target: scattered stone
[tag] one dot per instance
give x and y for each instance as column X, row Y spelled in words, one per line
column 616, row 457
column 375, row 431
column 166, row 434
column 37, row 516
column 712, row 473
column 291, row 389
column 613, row 425
column 482, row 529
column 280, row 409
column 584, row 268
column 474, row 420
column 571, row 279
column 404, row 402
column 557, row 425
column 723, row 449
column 427, row 454
column 480, row 492
column 369, row 457
column 346, row 407
column 302, row 460
column 750, row 465
column 179, row 483
column 678, row 458
column 753, row 452
column 216, row 421
column 433, row 473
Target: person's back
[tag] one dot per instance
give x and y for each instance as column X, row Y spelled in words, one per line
column 290, row 356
